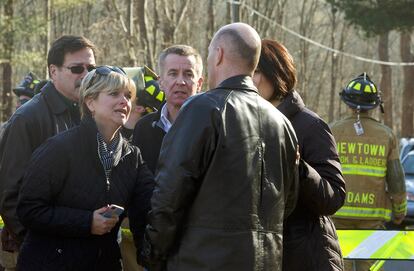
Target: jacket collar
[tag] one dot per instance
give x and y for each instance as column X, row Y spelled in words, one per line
column 88, row 126
column 291, row 104
column 54, row 99
column 238, row 82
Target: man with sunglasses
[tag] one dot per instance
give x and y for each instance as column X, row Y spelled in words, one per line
column 53, row 111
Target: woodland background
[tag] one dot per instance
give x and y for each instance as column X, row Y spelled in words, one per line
column 133, row 32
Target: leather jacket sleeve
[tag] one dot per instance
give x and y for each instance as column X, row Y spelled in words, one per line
column 322, row 187
column 16, row 150
column 186, row 150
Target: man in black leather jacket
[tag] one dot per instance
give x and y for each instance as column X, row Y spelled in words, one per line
column 50, row 112
column 227, row 173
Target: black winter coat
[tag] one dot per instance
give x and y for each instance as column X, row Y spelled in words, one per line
column 45, row 115
column 64, row 184
column 310, row 241
column 225, row 181
column 148, row 138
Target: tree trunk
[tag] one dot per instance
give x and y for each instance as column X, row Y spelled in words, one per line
column 333, row 68
column 235, row 12
column 407, row 99
column 141, row 8
column 48, row 13
column 7, row 98
column 210, row 26
column 385, row 85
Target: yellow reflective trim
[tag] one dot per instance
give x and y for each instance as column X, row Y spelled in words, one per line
column 367, row 89
column 148, row 78
column 357, row 86
column 374, row 89
column 400, row 208
column 126, row 232
column 361, row 212
column 351, row 84
column 350, row 239
column 376, row 244
column 353, row 169
column 160, row 96
column 150, row 89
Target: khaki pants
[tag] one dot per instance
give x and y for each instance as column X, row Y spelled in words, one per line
column 359, row 265
column 345, row 224
column 8, row 260
column 128, row 250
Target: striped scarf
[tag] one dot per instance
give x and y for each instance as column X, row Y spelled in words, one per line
column 106, row 152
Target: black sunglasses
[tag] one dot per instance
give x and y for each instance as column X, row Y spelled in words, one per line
column 104, row 71
column 78, row 69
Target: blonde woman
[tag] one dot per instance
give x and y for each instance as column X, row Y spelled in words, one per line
column 74, row 176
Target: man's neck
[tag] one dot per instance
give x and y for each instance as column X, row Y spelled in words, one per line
column 172, row 112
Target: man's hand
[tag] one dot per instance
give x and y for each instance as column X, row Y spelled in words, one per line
column 100, row 224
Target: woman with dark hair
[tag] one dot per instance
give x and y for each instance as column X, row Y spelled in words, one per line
column 73, row 177
column 309, row 240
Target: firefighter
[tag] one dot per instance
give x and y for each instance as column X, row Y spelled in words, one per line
column 368, row 152
column 25, row 90
column 149, row 96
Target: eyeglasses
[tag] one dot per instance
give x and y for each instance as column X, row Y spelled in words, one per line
column 104, row 71
column 78, row 69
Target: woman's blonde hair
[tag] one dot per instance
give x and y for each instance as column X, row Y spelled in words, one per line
column 94, row 83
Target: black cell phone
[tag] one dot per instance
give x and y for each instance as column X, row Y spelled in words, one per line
column 113, row 210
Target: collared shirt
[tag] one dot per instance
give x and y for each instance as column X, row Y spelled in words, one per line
column 72, row 106
column 164, row 122
column 107, row 151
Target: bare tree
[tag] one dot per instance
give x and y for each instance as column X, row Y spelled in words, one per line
column 408, row 95
column 8, row 44
column 385, row 84
column 142, row 23
column 334, row 65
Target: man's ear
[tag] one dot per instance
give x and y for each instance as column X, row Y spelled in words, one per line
column 219, row 55
column 52, row 70
column 199, row 84
column 161, row 83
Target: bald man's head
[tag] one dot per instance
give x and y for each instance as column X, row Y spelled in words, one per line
column 241, row 43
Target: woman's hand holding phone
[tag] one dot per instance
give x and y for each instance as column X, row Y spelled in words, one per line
column 101, row 224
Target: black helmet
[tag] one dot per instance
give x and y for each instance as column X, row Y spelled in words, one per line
column 27, row 85
column 149, row 94
column 361, row 93
column 152, row 96
column 38, row 88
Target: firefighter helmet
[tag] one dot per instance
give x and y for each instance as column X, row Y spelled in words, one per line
column 149, row 94
column 152, row 96
column 27, row 85
column 361, row 93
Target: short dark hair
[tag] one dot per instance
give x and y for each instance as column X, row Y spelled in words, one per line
column 242, row 49
column 181, row 50
column 67, row 44
column 277, row 65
